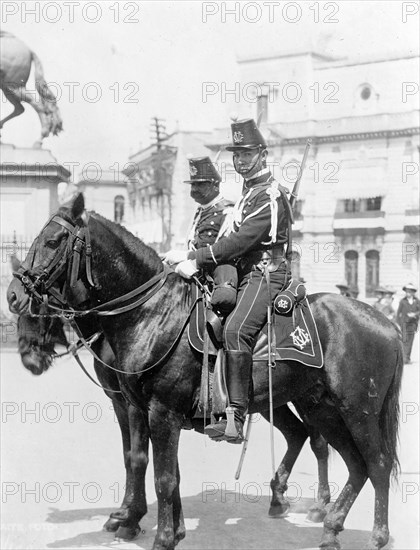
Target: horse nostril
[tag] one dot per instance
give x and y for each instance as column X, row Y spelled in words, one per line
column 12, row 299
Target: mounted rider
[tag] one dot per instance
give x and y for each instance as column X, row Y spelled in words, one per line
column 259, row 241
column 212, row 221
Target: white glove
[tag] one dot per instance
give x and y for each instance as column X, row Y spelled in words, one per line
column 175, row 256
column 187, row 268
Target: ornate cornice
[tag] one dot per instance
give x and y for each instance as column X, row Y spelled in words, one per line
column 12, row 171
column 335, row 138
column 360, row 136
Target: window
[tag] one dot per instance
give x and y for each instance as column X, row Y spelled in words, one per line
column 352, row 205
column 374, row 203
column 372, row 272
column 360, row 205
column 365, row 93
column 351, row 258
column 119, row 209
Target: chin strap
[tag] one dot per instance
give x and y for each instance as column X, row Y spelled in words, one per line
column 255, row 163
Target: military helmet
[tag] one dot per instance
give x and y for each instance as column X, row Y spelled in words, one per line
column 246, row 135
column 202, row 169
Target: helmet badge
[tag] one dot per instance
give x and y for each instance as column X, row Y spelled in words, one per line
column 238, row 137
column 193, row 170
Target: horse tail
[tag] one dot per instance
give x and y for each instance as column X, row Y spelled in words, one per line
column 389, row 417
column 47, row 97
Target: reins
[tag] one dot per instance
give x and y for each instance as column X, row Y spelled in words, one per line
column 159, row 362
column 39, row 289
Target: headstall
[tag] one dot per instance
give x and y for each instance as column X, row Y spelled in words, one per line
column 38, row 283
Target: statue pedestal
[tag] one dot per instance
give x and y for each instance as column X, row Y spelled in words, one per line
column 28, row 195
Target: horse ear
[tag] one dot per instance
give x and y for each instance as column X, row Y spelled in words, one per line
column 78, row 206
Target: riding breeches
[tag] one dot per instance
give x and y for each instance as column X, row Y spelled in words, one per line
column 250, row 314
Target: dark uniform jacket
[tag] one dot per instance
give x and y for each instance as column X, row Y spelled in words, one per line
column 207, row 223
column 404, row 308
column 262, row 209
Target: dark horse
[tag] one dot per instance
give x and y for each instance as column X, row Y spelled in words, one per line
column 36, row 344
column 353, row 400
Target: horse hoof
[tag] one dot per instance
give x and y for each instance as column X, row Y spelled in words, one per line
column 111, row 525
column 330, row 544
column 179, row 535
column 278, row 510
column 316, row 515
column 125, row 534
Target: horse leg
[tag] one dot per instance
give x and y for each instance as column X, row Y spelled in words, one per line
column 179, row 525
column 39, row 107
column 165, row 428
column 295, row 434
column 366, row 432
column 139, row 459
column 335, row 431
column 14, row 99
column 319, row 446
column 121, row 412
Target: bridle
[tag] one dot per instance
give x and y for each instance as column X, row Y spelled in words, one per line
column 39, row 284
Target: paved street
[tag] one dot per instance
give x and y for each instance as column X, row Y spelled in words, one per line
column 62, row 474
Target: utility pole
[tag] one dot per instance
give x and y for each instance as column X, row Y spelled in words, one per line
column 159, row 135
column 159, row 131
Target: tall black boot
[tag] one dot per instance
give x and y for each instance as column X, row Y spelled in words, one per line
column 238, row 370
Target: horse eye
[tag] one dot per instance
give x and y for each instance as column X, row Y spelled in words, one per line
column 52, row 244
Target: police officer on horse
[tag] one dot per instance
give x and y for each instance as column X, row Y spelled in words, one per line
column 211, row 222
column 258, row 243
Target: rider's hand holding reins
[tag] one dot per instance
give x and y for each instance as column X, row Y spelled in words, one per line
column 187, row 269
column 175, row 256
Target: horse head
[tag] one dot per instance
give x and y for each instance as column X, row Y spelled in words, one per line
column 78, row 262
column 36, row 336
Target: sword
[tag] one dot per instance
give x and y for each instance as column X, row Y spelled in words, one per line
column 244, row 446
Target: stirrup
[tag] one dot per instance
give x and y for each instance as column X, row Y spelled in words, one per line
column 231, row 429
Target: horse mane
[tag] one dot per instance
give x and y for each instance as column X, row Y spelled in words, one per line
column 134, row 244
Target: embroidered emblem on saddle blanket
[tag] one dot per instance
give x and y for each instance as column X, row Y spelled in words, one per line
column 295, row 333
column 296, row 336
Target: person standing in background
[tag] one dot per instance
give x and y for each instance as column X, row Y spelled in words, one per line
column 344, row 289
column 408, row 315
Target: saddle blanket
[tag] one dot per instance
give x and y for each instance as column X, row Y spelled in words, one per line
column 295, row 334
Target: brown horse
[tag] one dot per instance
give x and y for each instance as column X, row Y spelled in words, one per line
column 15, row 67
column 353, row 400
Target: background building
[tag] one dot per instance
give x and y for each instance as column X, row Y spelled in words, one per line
column 358, row 213
column 106, row 193
column 160, row 206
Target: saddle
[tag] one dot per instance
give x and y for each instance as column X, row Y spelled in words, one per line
column 295, row 335
column 294, row 338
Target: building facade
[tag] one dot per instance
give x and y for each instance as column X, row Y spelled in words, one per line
column 160, row 206
column 358, row 211
column 106, row 193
